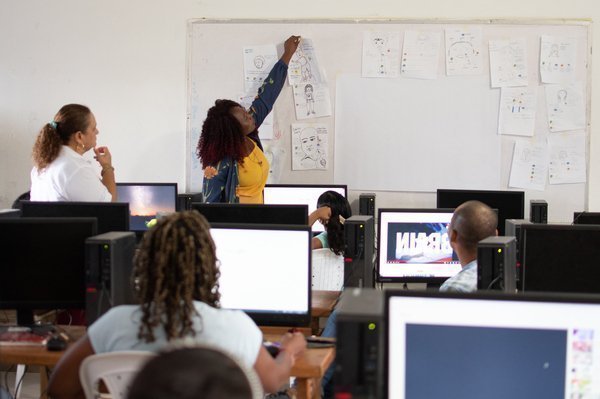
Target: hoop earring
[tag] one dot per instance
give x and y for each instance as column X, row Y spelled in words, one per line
column 82, row 147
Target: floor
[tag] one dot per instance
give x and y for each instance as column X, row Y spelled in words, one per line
column 30, row 385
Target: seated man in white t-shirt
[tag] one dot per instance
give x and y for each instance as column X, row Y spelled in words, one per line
column 177, row 285
column 471, row 222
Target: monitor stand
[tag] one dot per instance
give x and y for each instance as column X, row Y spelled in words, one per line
column 434, row 286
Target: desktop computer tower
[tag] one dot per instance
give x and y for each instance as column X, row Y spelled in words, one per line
column 496, row 264
column 358, row 257
column 513, row 229
column 538, row 211
column 359, row 367
column 185, row 200
column 366, row 204
column 108, row 268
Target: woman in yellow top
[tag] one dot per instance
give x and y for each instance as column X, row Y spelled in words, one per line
column 235, row 167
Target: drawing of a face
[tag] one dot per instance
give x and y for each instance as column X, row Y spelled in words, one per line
column 378, row 42
column 259, row 62
column 308, row 142
column 461, row 51
column 562, row 96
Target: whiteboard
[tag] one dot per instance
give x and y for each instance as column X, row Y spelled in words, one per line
column 414, row 135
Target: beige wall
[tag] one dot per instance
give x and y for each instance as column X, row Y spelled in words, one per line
column 127, row 61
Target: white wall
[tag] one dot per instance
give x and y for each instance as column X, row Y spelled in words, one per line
column 127, row 61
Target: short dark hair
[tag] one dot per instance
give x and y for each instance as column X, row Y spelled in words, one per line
column 191, row 373
column 473, row 221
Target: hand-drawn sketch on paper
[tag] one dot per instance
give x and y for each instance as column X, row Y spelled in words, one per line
column 529, row 165
column 557, row 59
column 566, row 107
column 381, row 54
column 508, row 63
column 567, row 158
column 303, row 67
column 420, row 54
column 311, row 100
column 258, row 61
column 517, row 110
column 309, row 146
column 463, row 51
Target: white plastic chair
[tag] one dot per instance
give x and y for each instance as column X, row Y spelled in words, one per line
column 116, row 369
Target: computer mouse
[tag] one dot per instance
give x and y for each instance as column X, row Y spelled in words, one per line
column 56, row 343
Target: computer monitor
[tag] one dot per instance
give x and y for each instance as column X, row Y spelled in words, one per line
column 510, row 204
column 265, row 271
column 112, row 216
column 42, row 264
column 146, row 200
column 561, row 258
column 253, row 213
column 586, row 217
column 413, row 246
column 491, row 346
column 301, row 194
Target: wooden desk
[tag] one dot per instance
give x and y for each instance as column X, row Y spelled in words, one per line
column 322, row 305
column 38, row 356
column 308, row 370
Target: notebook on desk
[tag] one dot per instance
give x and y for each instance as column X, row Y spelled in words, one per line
column 327, row 270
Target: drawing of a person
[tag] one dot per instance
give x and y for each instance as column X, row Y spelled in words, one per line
column 305, row 70
column 561, row 100
column 310, row 99
column 379, row 44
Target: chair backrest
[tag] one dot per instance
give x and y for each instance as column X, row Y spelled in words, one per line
column 115, row 369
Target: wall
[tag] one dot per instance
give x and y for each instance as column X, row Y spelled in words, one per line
column 127, row 61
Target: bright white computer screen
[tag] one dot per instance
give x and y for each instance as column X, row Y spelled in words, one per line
column 493, row 349
column 299, row 196
column 263, row 270
column 415, row 244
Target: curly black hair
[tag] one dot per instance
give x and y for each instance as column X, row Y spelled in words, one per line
column 221, row 136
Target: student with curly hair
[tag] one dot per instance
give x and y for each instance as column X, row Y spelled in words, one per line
column 235, row 167
column 60, row 172
column 176, row 278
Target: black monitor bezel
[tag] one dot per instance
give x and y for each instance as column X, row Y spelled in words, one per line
column 429, row 280
column 162, row 184
column 55, row 209
column 51, row 304
column 482, row 295
column 472, row 195
column 580, row 217
column 276, row 319
column 548, row 227
column 301, row 209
